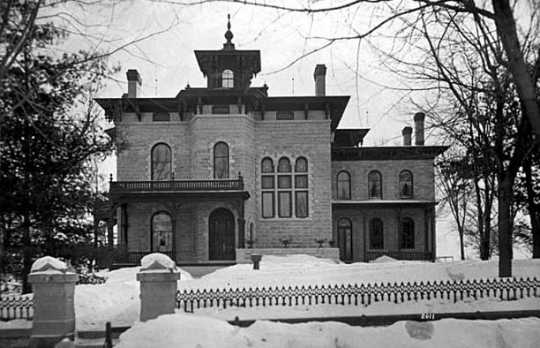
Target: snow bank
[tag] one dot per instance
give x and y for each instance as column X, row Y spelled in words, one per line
column 384, row 259
column 191, row 331
column 117, row 300
column 48, row 264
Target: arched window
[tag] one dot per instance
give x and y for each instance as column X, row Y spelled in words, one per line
column 375, row 184
column 301, row 187
column 161, row 162
column 376, row 234
column 161, row 232
column 268, row 186
column 407, row 234
column 284, row 188
column 405, row 184
column 343, row 185
column 344, row 237
column 227, row 79
column 221, row 160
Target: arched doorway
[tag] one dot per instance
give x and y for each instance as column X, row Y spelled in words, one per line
column 345, row 239
column 221, row 245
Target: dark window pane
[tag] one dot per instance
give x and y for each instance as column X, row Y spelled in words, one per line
column 267, row 165
column 161, row 232
column 268, row 182
column 405, row 184
column 301, row 201
column 345, row 239
column 300, row 181
column 284, row 181
column 284, row 203
column 284, row 165
column 375, row 184
column 268, row 204
column 301, row 165
column 407, row 234
column 161, row 162
column 285, row 115
column 376, row 234
column 343, row 185
column 221, row 161
column 220, row 109
column 161, row 117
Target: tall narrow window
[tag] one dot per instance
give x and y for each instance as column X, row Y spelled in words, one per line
column 227, row 79
column 407, row 234
column 344, row 237
column 161, row 231
column 343, row 185
column 161, row 162
column 284, row 188
column 268, row 187
column 405, row 184
column 221, row 161
column 301, row 187
column 376, row 234
column 375, row 184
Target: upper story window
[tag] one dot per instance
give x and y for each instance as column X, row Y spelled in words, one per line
column 406, row 240
column 289, row 188
column 343, row 185
column 285, row 115
column 405, row 184
column 161, row 159
column 376, row 234
column 161, row 117
column 221, row 160
column 227, row 79
column 375, row 184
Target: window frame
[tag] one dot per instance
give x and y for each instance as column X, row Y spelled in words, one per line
column 340, row 182
column 158, row 117
column 226, row 78
column 380, row 180
column 372, row 232
column 412, row 237
column 411, row 184
column 153, row 162
column 284, row 115
column 153, row 247
column 216, row 157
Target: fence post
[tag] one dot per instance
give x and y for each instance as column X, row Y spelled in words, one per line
column 54, row 311
column 158, row 283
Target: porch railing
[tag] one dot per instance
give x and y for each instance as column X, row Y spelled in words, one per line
column 177, row 185
column 401, row 255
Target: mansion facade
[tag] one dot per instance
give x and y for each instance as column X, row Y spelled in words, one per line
column 220, row 172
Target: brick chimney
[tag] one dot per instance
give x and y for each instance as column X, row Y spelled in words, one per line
column 134, row 83
column 320, row 80
column 406, row 132
column 419, row 128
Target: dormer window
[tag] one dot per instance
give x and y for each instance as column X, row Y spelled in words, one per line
column 227, row 79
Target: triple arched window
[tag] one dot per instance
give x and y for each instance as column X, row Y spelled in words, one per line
column 285, row 187
column 221, row 160
column 161, row 162
column 227, row 79
column 343, row 185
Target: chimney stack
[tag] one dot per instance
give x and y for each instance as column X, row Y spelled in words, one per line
column 419, row 128
column 320, row 80
column 134, row 83
column 406, row 132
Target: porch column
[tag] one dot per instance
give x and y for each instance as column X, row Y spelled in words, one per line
column 110, row 232
column 124, row 226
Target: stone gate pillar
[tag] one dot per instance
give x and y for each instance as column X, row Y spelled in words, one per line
column 54, row 311
column 158, row 283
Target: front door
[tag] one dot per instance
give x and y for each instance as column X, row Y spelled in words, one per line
column 221, row 235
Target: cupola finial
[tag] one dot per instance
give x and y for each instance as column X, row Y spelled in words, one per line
column 228, row 35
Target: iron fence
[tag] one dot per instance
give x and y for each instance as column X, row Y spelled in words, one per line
column 354, row 294
column 16, row 307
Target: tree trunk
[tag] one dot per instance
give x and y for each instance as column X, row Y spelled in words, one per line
column 27, row 255
column 461, row 246
column 505, row 225
column 506, row 28
column 534, row 210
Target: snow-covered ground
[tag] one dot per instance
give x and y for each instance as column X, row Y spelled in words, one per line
column 176, row 330
column 118, row 301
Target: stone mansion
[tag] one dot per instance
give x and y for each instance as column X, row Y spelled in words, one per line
column 220, row 172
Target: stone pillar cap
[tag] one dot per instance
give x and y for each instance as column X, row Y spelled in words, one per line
column 157, row 262
column 49, row 264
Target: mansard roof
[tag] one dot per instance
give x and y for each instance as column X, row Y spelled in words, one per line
column 381, row 153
